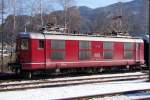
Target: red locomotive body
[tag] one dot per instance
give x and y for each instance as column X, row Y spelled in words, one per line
column 38, row 51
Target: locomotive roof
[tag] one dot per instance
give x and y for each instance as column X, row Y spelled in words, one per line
column 79, row 37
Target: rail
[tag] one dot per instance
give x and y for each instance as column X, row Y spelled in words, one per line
column 87, row 97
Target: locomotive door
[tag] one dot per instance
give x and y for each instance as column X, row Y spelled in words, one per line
column 137, row 53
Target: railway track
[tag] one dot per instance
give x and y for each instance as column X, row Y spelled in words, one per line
column 31, row 84
column 97, row 96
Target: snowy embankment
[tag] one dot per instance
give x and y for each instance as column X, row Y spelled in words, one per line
column 74, row 91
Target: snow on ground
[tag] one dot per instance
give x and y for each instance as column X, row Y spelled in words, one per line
column 4, row 55
column 77, row 90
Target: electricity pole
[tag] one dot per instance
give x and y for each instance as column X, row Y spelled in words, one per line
column 2, row 35
column 149, row 36
column 14, row 29
column 117, row 24
column 65, row 9
column 41, row 12
column 14, row 26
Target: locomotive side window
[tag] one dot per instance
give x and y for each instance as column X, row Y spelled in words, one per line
column 84, row 50
column 84, row 55
column 58, row 49
column 128, row 50
column 57, row 44
column 84, row 45
column 108, row 54
column 24, row 44
column 108, row 45
column 56, row 55
column 127, row 46
column 41, row 44
column 108, row 50
column 127, row 54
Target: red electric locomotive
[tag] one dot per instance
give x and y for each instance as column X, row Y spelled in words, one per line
column 50, row 51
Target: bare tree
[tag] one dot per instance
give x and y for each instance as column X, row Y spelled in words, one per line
column 65, row 5
column 72, row 18
column 146, row 15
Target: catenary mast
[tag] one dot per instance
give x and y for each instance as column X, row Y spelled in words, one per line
column 2, row 34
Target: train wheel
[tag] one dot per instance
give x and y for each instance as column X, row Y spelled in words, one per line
column 17, row 71
column 26, row 74
column 29, row 75
column 128, row 67
column 100, row 70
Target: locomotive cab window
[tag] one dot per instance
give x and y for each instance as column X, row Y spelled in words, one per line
column 24, row 44
column 41, row 44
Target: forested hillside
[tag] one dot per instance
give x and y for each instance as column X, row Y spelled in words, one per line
column 83, row 19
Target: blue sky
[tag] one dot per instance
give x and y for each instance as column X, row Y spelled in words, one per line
column 50, row 5
column 98, row 3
